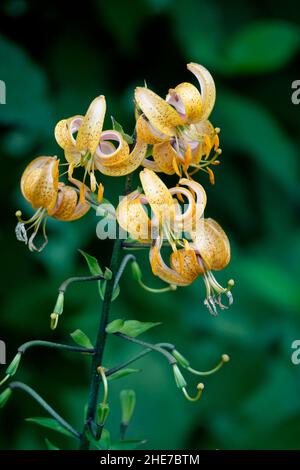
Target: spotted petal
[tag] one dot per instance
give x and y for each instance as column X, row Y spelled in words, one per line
column 68, row 206
column 207, row 86
column 127, row 165
column 39, row 182
column 163, row 271
column 160, row 114
column 212, row 244
column 132, row 217
column 158, row 196
column 186, row 99
column 89, row 132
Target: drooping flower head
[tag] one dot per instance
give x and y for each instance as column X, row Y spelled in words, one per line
column 178, row 127
column 40, row 186
column 85, row 144
column 199, row 245
column 166, row 220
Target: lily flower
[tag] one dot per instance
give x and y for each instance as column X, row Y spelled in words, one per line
column 210, row 252
column 167, row 219
column 178, row 127
column 85, row 144
column 40, row 186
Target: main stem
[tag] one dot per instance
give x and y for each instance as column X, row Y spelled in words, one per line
column 101, row 338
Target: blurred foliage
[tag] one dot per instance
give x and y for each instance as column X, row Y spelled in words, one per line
column 54, row 60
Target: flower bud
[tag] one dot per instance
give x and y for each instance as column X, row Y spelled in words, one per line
column 181, row 359
column 128, row 401
column 13, row 366
column 4, row 397
column 179, row 379
column 102, row 413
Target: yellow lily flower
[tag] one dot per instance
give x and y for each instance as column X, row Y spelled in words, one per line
column 40, row 186
column 95, row 149
column 210, row 252
column 167, row 219
column 178, row 127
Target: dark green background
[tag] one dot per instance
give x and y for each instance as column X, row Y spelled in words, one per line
column 55, row 57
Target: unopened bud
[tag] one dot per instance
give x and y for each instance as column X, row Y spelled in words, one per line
column 179, row 379
column 102, row 413
column 4, row 397
column 180, row 358
column 128, row 401
column 13, row 366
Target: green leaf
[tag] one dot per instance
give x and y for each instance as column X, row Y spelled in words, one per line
column 262, row 46
column 122, row 373
column 127, row 445
column 79, row 337
column 51, row 446
column 259, row 135
column 117, row 127
column 135, row 328
column 92, row 263
column 114, row 326
column 50, row 423
column 26, row 84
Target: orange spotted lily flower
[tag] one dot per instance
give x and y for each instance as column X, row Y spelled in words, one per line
column 178, row 127
column 41, row 187
column 167, row 219
column 210, row 252
column 86, row 144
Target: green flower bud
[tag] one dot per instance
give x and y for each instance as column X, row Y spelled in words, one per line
column 13, row 366
column 180, row 358
column 179, row 379
column 102, row 413
column 4, row 397
column 128, row 401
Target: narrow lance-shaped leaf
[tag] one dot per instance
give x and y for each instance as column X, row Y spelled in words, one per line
column 51, row 424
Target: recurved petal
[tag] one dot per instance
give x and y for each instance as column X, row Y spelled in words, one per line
column 207, row 86
column 213, row 245
column 127, row 166
column 160, row 114
column 201, row 198
column 132, row 217
column 64, row 131
column 69, row 207
column 116, row 153
column 163, row 271
column 147, row 133
column 158, row 196
column 186, row 99
column 151, row 165
column 39, row 182
column 89, row 132
column 163, row 155
column 185, row 262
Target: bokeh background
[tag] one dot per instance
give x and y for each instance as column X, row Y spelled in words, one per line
column 55, row 58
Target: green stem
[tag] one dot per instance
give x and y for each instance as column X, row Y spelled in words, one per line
column 48, row 344
column 46, row 406
column 101, row 338
column 63, row 287
column 154, row 347
column 136, row 357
